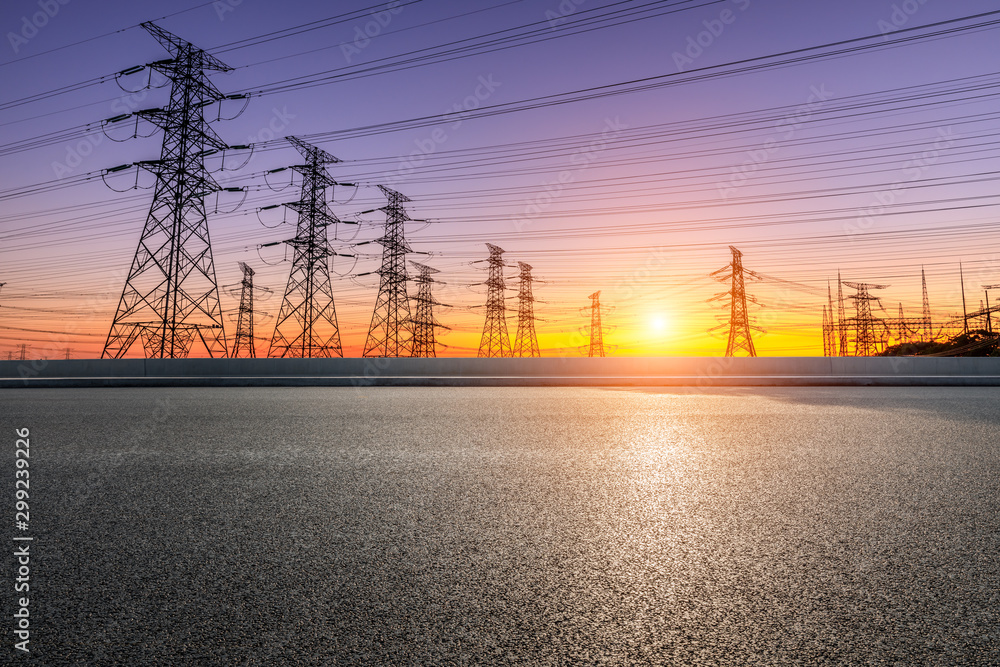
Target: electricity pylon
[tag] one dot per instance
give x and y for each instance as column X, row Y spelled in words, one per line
column 831, row 345
column 306, row 326
column 525, row 341
column 423, row 321
column 739, row 321
column 244, row 345
column 596, row 329
column 388, row 334
column 495, row 342
column 866, row 343
column 827, row 334
column 171, row 295
column 928, row 329
column 902, row 330
column 841, row 319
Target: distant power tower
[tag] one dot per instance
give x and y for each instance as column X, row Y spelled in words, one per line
column 22, row 351
column 866, row 341
column 525, row 341
column 171, row 295
column 928, row 333
column 495, row 341
column 596, row 329
column 423, row 321
column 829, row 346
column 829, row 325
column 306, row 326
column 245, row 331
column 841, row 319
column 387, row 334
column 739, row 320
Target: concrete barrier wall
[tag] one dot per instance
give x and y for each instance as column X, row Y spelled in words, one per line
column 551, row 371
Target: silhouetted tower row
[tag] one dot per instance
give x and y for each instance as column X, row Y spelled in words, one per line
column 495, row 342
column 171, row 295
column 866, row 341
column 307, row 321
column 388, row 334
column 596, row 328
column 739, row 319
column 525, row 341
column 423, row 321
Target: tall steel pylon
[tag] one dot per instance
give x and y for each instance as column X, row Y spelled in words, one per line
column 171, row 295
column 928, row 333
column 902, row 330
column 596, row 328
column 842, row 338
column 739, row 320
column 525, row 341
column 388, row 334
column 866, row 341
column 827, row 334
column 495, row 341
column 306, row 326
column 244, row 345
column 832, row 345
column 423, row 321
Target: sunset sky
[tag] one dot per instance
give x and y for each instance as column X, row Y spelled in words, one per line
column 614, row 146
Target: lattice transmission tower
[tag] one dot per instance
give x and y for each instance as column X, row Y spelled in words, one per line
column 306, row 326
column 244, row 345
column 423, row 322
column 388, row 334
column 866, row 341
column 596, row 328
column 525, row 340
column 739, row 320
column 171, row 296
column 928, row 333
column 842, row 333
column 832, row 343
column 829, row 347
column 495, row 341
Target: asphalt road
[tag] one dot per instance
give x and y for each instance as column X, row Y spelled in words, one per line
column 266, row 526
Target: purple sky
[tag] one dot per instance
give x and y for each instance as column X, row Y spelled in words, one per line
column 682, row 185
